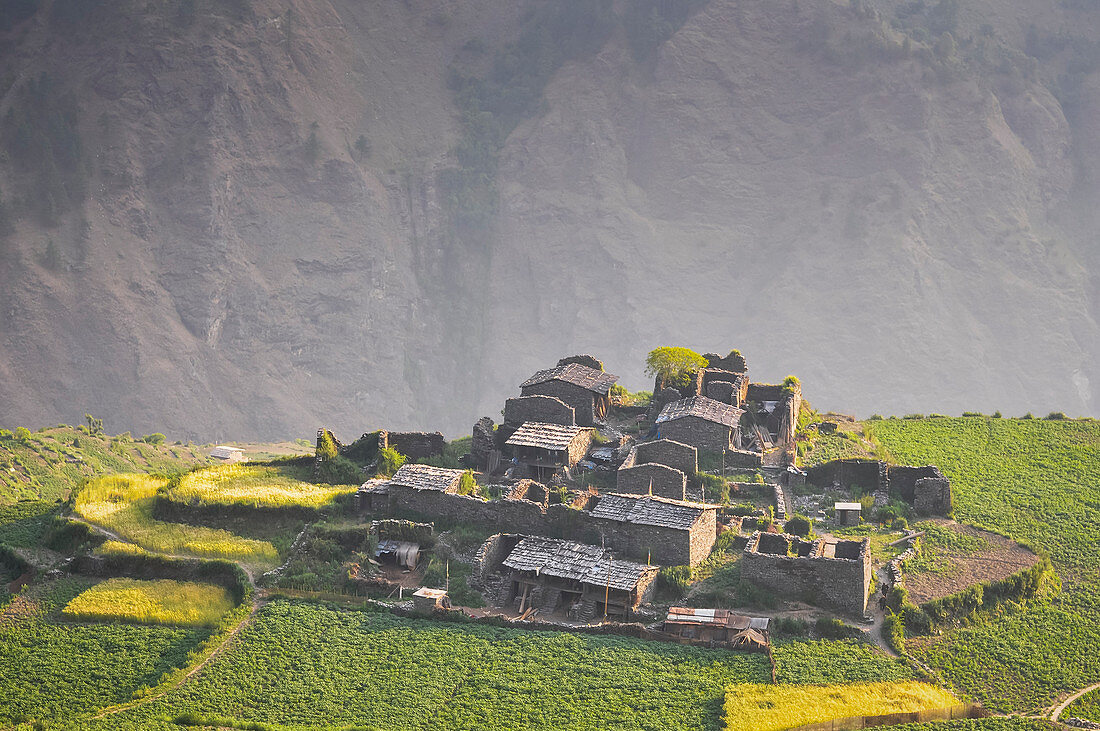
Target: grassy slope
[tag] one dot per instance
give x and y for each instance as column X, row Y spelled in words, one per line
column 38, row 467
column 1038, row 482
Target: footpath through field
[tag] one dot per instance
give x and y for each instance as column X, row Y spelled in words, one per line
column 1065, row 704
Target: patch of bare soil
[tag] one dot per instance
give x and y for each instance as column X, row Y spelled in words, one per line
column 999, row 558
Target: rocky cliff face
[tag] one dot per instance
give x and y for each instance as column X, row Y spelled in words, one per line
column 267, row 241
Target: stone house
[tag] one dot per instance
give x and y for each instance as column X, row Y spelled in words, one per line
column 828, row 571
column 661, row 467
column 725, row 386
column 546, row 448
column 667, row 532
column 586, row 389
column 585, row 580
column 701, row 422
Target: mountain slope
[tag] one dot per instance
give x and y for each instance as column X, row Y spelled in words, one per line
column 271, row 236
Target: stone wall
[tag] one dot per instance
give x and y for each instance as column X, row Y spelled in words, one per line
column 414, row 445
column 734, row 361
column 545, row 409
column 665, row 481
column 683, row 457
column 722, row 391
column 868, row 474
column 903, row 479
column 744, row 458
column 482, row 443
column 578, row 448
column 699, row 433
column 932, row 496
column 840, row 583
column 664, row 546
column 581, row 399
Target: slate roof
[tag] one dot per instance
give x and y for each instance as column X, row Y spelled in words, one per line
column 703, row 408
column 579, row 375
column 576, row 561
column 426, row 477
column 649, row 510
column 544, row 436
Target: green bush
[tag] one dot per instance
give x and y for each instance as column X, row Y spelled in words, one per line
column 22, row 433
column 154, row 438
column 674, row 366
column 390, row 461
column 467, row 485
column 893, row 631
column 799, row 525
column 674, row 579
column 6, row 434
column 832, row 628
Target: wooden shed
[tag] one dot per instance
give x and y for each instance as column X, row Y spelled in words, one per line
column 848, row 513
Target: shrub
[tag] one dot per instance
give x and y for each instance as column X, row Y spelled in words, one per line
column 1056, row 416
column 22, row 433
column 674, row 579
column 915, row 619
column 893, row 631
column 899, row 524
column 326, row 446
column 6, row 434
column 831, row 628
column 154, row 438
column 467, row 485
column 339, row 471
column 799, row 525
column 390, row 461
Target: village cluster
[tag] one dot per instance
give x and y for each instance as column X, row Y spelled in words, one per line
column 583, row 549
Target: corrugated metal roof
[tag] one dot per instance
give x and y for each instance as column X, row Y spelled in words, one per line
column 649, row 510
column 576, row 561
column 703, row 408
column 579, row 375
column 715, row 617
column 544, row 436
column 426, row 477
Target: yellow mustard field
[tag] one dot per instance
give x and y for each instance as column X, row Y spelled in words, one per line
column 779, row 707
column 263, row 486
column 123, row 504
column 151, row 602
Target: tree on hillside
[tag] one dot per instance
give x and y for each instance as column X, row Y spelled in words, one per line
column 673, row 367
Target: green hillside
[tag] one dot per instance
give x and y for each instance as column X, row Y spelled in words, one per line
column 1037, row 481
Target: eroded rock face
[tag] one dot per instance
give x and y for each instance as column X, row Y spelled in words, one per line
column 903, row 240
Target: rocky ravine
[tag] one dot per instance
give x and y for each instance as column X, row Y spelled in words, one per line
column 902, row 234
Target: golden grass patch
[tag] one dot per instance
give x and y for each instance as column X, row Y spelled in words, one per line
column 123, row 504
column 775, row 708
column 262, row 486
column 152, row 602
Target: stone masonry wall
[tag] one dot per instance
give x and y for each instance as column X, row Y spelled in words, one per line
column 664, row 546
column 414, row 445
column 867, row 474
column 932, row 496
column 582, row 400
column 837, row 582
column 699, row 433
column 904, row 478
column 683, row 457
column 665, row 481
column 545, row 409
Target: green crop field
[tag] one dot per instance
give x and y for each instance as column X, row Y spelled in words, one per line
column 278, row 485
column 832, row 661
column 301, row 664
column 1038, row 482
column 1087, row 706
column 60, row 670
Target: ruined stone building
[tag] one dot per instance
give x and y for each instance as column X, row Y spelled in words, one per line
column 925, row 488
column 668, row 532
column 526, row 572
column 701, row 422
column 662, row 467
column 545, row 449
column 827, row 571
column 544, row 409
column 725, row 386
column 585, row 389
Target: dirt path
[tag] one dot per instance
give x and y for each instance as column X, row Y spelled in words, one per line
column 1065, row 704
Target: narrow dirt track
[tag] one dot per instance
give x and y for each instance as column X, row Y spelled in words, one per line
column 1065, row 704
